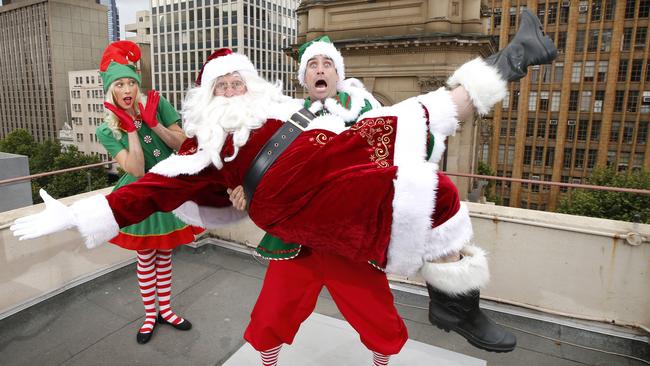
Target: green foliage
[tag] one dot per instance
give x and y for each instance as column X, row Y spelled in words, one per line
column 49, row 156
column 490, row 194
column 611, row 205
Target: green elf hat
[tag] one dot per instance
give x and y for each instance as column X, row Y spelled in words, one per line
column 115, row 62
column 319, row 46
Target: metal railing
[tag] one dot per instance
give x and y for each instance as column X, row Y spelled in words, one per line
column 466, row 175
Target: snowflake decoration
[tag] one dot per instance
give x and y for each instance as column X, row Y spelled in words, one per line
column 156, row 153
column 147, row 139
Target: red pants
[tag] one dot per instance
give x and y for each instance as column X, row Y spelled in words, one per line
column 291, row 289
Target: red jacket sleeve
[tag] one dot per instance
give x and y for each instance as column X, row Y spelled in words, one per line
column 134, row 202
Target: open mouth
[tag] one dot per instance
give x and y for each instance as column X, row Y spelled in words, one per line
column 127, row 100
column 320, row 84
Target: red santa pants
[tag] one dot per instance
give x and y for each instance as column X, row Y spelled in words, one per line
column 291, row 289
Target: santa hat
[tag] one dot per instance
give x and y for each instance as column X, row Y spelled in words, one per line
column 115, row 62
column 319, row 46
column 221, row 62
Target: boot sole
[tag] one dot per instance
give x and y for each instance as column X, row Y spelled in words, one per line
column 476, row 343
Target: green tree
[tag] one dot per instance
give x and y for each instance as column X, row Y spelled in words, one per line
column 49, row 156
column 490, row 193
column 611, row 205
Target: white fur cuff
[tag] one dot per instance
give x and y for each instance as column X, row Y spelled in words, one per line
column 328, row 122
column 95, row 221
column 455, row 278
column 482, row 82
column 208, row 217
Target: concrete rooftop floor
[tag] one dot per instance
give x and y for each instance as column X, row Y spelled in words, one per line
column 216, row 288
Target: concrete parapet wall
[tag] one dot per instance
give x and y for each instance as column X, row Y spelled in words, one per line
column 569, row 265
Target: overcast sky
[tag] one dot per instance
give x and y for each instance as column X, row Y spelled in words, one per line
column 127, row 9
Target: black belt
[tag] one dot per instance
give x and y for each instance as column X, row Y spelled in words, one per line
column 282, row 138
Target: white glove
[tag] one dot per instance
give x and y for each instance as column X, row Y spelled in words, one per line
column 56, row 217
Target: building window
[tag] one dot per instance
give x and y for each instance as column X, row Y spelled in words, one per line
column 576, row 71
column 555, row 101
column 598, row 101
column 561, row 41
column 632, row 100
column 589, row 70
column 543, row 101
column 644, row 8
column 530, row 128
column 614, row 132
column 637, row 67
column 641, row 35
column 532, row 101
column 550, row 156
column 637, row 164
column 629, row 8
column 573, row 100
column 642, row 133
column 618, row 100
column 564, row 14
column 602, row 70
column 582, row 129
column 506, row 101
column 501, row 154
column 585, row 101
column 570, row 130
column 593, row 41
column 579, row 159
column 528, row 154
column 627, row 39
column 595, row 131
column 611, row 158
column 610, row 9
column 539, row 155
column 622, row 70
column 580, row 40
column 596, row 10
column 559, row 72
column 566, row 163
column 592, row 156
column 552, row 13
column 552, row 129
column 541, row 129
column 628, row 132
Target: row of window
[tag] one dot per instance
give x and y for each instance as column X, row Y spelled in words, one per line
column 79, row 80
column 97, row 108
column 96, row 93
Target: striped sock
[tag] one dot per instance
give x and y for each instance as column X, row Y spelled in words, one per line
column 270, row 356
column 146, row 270
column 379, row 359
column 164, row 285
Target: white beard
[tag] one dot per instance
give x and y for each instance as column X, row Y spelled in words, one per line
column 211, row 119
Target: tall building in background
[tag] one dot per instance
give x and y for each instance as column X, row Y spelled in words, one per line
column 40, row 41
column 86, row 113
column 186, row 32
column 140, row 33
column 113, row 19
column 590, row 109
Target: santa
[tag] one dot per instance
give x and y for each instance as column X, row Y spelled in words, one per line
column 367, row 192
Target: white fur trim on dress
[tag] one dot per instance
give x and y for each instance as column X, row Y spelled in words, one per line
column 324, row 49
column 456, row 278
column 208, row 217
column 442, row 111
column 95, row 221
column 328, row 122
column 176, row 165
column 450, row 237
column 438, row 147
column 223, row 65
column 482, row 82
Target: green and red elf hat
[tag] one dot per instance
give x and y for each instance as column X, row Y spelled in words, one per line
column 115, row 62
column 319, row 46
column 221, row 62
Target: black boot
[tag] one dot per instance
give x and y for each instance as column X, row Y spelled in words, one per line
column 530, row 46
column 463, row 315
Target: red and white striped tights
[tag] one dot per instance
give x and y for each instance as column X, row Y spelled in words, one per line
column 270, row 357
column 155, row 279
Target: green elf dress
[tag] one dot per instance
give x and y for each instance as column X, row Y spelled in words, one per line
column 162, row 230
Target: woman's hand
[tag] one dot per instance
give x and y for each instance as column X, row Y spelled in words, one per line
column 148, row 113
column 126, row 121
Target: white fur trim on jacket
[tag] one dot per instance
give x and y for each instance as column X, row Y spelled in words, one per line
column 450, row 237
column 176, row 165
column 328, row 122
column 442, row 111
column 358, row 97
column 438, row 147
column 324, row 49
column 208, row 217
column 457, row 278
column 483, row 83
column 95, row 221
column 417, row 181
column 223, row 65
